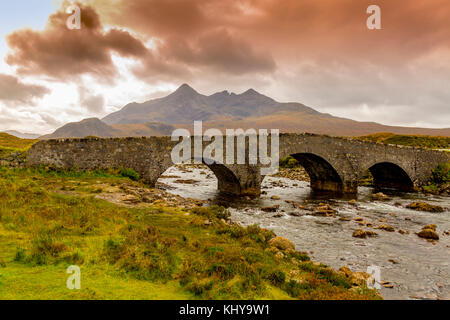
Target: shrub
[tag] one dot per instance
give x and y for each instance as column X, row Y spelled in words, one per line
column 143, row 252
column 289, row 162
column 441, row 174
column 129, row 173
column 277, row 278
column 213, row 212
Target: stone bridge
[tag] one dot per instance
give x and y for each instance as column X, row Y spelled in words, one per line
column 333, row 164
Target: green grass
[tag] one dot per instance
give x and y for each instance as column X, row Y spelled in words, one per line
column 145, row 253
column 10, row 144
column 432, row 142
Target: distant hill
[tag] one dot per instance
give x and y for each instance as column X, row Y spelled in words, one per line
column 87, row 127
column 225, row 110
column 96, row 127
column 23, row 135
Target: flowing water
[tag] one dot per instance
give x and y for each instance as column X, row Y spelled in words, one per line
column 418, row 269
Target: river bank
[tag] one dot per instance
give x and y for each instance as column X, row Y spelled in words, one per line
column 324, row 226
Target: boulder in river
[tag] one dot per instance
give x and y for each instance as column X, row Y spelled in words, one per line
column 359, row 233
column 386, row 227
column 379, row 196
column 271, row 209
column 429, row 232
column 423, row 206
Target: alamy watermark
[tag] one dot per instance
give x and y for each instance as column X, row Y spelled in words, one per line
column 374, row 281
column 73, row 22
column 374, row 20
column 74, row 280
column 235, row 142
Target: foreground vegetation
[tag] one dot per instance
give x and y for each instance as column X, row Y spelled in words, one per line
column 154, row 252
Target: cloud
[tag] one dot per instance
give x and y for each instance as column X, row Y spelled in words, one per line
column 64, row 54
column 13, row 91
column 93, row 103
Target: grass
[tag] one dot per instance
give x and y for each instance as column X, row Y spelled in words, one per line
column 432, row 142
column 140, row 253
column 10, row 144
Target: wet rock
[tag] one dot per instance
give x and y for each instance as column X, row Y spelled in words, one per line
column 275, row 198
column 386, row 227
column 356, row 278
column 430, row 226
column 393, row 261
column 130, row 199
column 428, row 234
column 387, row 284
column 360, row 278
column 344, row 219
column 346, row 271
column 403, row 231
column 359, row 233
column 325, row 210
column 423, row 206
column 295, row 214
column 279, row 215
column 271, row 209
column 352, row 202
column 282, row 243
column 379, row 196
column 186, row 181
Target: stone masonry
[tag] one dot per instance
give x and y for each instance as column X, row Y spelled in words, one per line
column 333, row 164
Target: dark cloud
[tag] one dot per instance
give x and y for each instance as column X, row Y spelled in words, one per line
column 13, row 91
column 220, row 50
column 67, row 54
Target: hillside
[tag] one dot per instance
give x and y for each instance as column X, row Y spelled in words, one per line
column 10, row 144
column 409, row 140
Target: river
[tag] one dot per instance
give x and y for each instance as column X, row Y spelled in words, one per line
column 417, row 268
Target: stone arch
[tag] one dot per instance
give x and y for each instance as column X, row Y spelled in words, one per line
column 323, row 176
column 391, row 176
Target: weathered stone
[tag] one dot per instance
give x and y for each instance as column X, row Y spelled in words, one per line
column 428, row 234
column 363, row 234
column 423, row 206
column 271, row 209
column 386, row 227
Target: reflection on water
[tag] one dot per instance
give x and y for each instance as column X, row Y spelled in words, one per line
column 417, row 268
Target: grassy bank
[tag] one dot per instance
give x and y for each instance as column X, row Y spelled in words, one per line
column 50, row 220
column 431, row 142
column 10, row 144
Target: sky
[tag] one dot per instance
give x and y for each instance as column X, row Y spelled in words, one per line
column 319, row 53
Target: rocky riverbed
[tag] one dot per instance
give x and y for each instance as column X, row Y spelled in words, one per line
column 388, row 231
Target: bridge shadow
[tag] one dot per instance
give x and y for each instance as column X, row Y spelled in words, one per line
column 387, row 177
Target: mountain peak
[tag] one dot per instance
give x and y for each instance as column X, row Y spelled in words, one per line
column 251, row 92
column 185, row 89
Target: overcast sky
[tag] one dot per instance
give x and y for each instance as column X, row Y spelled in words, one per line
column 319, row 53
